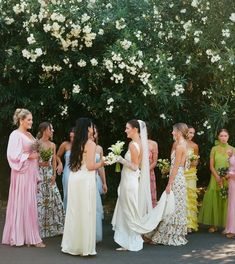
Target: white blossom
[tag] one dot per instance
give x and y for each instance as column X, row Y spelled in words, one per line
column 109, row 65
column 57, row 17
column 120, row 24
column 9, row 20
column 126, row 44
column 162, row 116
column 76, row 89
column 117, row 78
column 109, row 108
column 195, row 3
column 81, row 63
column 64, row 110
column 179, row 89
column 215, row 58
column 31, row 39
column 101, row 31
column 226, row 33
column 199, row 133
column 110, row 101
column 187, row 26
column 232, row 17
column 85, row 18
column 46, row 27
column 94, row 62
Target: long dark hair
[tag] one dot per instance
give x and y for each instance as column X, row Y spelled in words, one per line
column 41, row 128
column 80, row 139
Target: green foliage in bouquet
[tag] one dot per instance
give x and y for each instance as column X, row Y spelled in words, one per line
column 222, row 171
column 45, row 154
column 164, row 167
column 223, row 192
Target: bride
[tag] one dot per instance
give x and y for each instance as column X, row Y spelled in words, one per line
column 134, row 215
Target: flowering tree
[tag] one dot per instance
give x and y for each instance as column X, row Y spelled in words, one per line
column 161, row 61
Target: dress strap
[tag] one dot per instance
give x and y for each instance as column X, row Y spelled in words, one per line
column 136, row 145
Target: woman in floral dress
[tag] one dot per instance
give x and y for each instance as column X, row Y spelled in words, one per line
column 173, row 229
column 50, row 206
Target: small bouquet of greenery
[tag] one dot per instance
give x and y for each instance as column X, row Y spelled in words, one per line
column 116, row 150
column 194, row 157
column 222, row 172
column 223, row 192
column 164, row 166
column 45, row 154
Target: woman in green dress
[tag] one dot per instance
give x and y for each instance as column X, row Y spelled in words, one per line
column 214, row 208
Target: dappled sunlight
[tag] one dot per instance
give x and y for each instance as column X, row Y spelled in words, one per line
column 223, row 253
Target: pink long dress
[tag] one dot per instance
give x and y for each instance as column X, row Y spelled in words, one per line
column 21, row 226
column 230, row 226
column 153, row 186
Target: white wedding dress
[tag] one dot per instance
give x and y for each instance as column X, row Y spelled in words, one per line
column 129, row 220
column 79, row 236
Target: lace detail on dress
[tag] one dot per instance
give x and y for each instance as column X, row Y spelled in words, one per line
column 172, row 230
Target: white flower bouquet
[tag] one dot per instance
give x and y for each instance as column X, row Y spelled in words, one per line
column 116, row 150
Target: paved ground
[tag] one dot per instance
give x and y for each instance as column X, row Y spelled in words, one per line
column 202, row 248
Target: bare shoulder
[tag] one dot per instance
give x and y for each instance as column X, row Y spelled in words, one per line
column 133, row 147
column 90, row 144
column 52, row 144
column 64, row 144
column 180, row 148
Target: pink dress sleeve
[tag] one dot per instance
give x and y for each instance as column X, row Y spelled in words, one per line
column 15, row 154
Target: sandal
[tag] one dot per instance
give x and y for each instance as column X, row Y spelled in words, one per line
column 230, row 235
column 121, row 249
column 212, row 229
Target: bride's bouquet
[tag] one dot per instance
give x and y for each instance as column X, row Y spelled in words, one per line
column 116, row 150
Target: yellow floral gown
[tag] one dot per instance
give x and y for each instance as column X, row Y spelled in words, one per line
column 191, row 185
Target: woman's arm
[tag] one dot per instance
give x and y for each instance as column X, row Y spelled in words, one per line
column 178, row 157
column 213, row 170
column 59, row 155
column 54, row 164
column 101, row 172
column 173, row 147
column 155, row 156
column 90, row 149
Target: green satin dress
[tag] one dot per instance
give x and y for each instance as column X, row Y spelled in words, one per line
column 214, row 208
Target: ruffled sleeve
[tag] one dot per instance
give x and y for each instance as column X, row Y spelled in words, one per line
column 15, row 154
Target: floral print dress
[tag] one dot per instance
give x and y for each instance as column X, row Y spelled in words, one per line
column 50, row 205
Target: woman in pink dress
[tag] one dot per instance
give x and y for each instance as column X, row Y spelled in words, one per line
column 153, row 156
column 230, row 225
column 21, row 226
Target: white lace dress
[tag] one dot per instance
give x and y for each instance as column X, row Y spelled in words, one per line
column 172, row 230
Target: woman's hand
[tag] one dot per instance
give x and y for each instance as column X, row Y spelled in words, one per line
column 219, row 181
column 194, row 163
column 168, row 188
column 33, row 155
column 44, row 164
column 59, row 168
column 105, row 188
column 53, row 180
